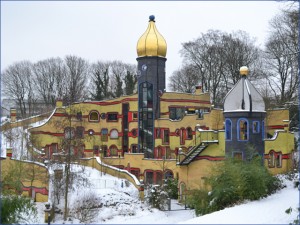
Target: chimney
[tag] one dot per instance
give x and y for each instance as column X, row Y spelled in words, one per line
column 9, row 152
column 59, row 103
column 198, row 90
column 13, row 115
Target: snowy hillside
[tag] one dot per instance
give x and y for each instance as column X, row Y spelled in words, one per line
column 120, row 205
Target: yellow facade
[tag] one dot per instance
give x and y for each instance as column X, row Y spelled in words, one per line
column 34, row 178
column 191, row 176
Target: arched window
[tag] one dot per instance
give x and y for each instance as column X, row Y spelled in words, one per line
column 255, row 127
column 94, row 116
column 114, row 134
column 275, row 159
column 113, row 150
column 169, row 174
column 263, row 129
column 243, row 130
column 228, row 130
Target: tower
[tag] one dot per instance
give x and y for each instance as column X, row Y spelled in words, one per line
column 244, row 113
column 151, row 51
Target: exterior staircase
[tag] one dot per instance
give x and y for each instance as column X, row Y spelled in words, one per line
column 193, row 153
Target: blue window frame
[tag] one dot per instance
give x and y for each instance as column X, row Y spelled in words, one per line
column 263, row 129
column 255, row 127
column 243, row 129
column 228, row 130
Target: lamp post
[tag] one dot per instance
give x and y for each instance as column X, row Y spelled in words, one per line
column 47, row 213
column 100, row 151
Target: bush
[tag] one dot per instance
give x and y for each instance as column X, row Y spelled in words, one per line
column 156, row 197
column 17, row 209
column 171, row 188
column 232, row 182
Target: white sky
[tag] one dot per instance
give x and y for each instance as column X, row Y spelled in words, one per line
column 109, row 30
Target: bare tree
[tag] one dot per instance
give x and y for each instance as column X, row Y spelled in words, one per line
column 17, row 84
column 217, row 57
column 184, row 79
column 49, row 79
column 281, row 57
column 75, row 83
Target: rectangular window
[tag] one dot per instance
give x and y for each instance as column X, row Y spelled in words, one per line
column 134, row 149
column 157, row 133
column 112, row 117
column 135, row 172
column 104, row 134
column 176, row 113
column 168, row 153
column 278, row 160
column 69, row 133
column 96, row 149
column 80, row 132
column 135, row 116
column 238, row 155
column 166, row 136
column 79, row 116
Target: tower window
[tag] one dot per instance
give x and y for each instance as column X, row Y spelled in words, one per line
column 255, row 127
column 243, row 130
column 228, row 130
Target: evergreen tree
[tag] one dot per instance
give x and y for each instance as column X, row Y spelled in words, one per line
column 130, row 81
column 119, row 84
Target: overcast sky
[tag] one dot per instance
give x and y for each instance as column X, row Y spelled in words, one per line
column 108, row 30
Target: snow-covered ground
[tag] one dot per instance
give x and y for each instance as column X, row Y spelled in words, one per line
column 120, row 205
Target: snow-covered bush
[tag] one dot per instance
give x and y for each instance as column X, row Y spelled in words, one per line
column 171, row 188
column 232, row 182
column 156, row 197
column 86, row 207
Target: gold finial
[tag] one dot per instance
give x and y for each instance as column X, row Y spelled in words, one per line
column 151, row 43
column 244, row 71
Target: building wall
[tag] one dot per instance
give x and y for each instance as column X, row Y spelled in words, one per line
column 34, row 179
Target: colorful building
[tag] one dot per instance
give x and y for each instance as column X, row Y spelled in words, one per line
column 155, row 134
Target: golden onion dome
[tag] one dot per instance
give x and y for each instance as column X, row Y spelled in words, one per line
column 151, row 43
column 244, row 71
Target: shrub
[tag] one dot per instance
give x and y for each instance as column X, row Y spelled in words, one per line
column 171, row 188
column 232, row 182
column 17, row 209
column 157, row 197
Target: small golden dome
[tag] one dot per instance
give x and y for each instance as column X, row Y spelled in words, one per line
column 244, row 71
column 151, row 43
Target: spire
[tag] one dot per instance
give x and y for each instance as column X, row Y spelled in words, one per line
column 151, row 43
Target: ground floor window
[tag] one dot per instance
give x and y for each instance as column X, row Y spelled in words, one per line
column 153, row 177
column 275, row 159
